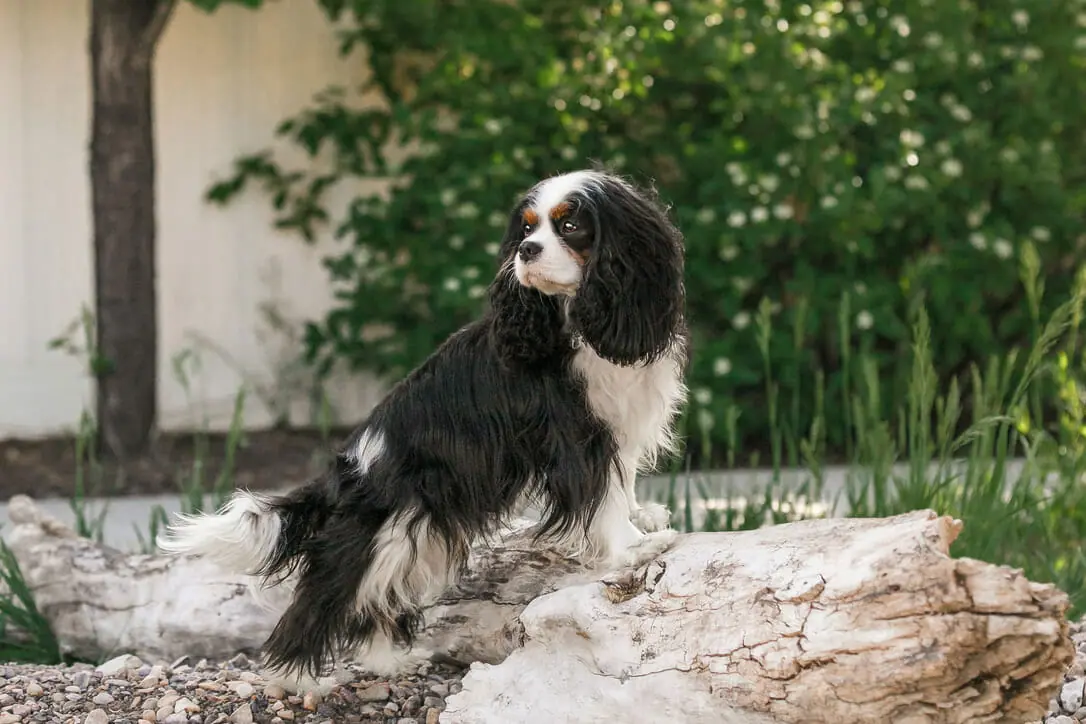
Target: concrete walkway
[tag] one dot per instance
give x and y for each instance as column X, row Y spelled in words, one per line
column 124, row 516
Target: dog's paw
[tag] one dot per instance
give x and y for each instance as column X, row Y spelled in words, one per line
column 650, row 546
column 651, row 517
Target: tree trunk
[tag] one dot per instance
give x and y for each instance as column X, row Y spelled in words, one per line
column 123, row 36
column 819, row 621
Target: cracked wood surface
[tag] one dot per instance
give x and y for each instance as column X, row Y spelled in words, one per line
column 818, row 621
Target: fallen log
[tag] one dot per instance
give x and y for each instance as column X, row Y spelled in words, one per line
column 840, row 620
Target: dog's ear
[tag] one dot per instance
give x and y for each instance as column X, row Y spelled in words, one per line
column 629, row 308
column 527, row 326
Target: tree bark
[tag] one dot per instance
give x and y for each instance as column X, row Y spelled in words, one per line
column 819, row 621
column 123, row 37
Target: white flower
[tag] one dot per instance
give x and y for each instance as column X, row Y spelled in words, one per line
column 1032, row 53
column 1003, row 248
column 961, row 113
column 902, row 65
column 759, row 214
column 916, row 182
column 457, row 242
column 448, row 197
column 864, row 320
column 722, row 366
column 912, row 139
column 729, row 252
column 893, row 173
column 467, row 210
column 703, row 396
column 952, row 167
column 784, row 158
column 741, row 320
column 860, row 288
column 769, row 182
column 865, row 94
column 476, row 291
column 493, row 126
column 978, row 241
column 1040, row 233
column 496, row 219
column 471, row 272
column 569, row 153
column 829, row 202
column 452, row 284
column 1008, row 155
column 783, row 211
column 737, row 218
column 706, row 215
column 742, row 285
column 803, row 131
column 975, row 59
column 492, row 248
column 1020, row 18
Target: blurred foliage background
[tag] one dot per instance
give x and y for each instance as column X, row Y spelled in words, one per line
column 835, row 165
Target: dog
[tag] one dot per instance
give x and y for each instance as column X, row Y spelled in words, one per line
column 565, row 388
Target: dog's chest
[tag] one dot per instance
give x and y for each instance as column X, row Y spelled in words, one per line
column 639, row 403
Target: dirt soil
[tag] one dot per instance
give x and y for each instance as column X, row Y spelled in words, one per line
column 266, row 459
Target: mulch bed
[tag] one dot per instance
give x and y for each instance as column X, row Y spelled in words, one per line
column 266, row 459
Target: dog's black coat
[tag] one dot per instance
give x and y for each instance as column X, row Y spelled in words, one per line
column 494, row 414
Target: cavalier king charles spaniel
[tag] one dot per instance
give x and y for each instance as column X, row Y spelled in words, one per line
column 565, row 388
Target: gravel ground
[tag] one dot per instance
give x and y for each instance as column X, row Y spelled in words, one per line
column 127, row 690
column 1069, row 706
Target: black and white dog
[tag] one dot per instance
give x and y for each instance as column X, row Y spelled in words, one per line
column 558, row 395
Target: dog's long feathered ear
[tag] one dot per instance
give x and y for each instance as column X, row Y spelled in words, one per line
column 629, row 307
column 527, row 328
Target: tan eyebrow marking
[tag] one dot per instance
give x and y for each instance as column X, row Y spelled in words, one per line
column 560, row 210
column 530, row 217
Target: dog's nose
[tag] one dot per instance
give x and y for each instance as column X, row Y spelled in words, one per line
column 530, row 250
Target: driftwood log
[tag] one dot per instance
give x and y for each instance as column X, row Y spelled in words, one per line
column 852, row 620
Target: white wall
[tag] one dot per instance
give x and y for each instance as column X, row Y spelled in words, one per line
column 223, row 82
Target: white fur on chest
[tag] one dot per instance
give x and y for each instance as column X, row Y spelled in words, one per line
column 639, row 403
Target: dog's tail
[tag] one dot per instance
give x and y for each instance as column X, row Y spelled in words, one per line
column 253, row 534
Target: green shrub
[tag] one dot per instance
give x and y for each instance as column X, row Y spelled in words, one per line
column 818, row 156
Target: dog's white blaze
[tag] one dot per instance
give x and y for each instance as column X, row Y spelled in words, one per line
column 370, row 446
column 406, row 568
column 240, row 536
column 638, row 402
column 554, row 264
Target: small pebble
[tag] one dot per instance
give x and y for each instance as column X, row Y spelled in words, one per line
column 97, row 716
column 7, row 718
column 242, row 689
column 286, row 715
column 242, row 715
column 34, row 689
column 103, row 698
column 433, row 716
column 274, row 691
column 374, row 692
column 311, row 701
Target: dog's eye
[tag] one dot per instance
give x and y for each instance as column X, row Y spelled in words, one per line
column 527, row 229
column 568, row 227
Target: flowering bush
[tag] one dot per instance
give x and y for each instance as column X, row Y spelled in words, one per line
column 832, row 164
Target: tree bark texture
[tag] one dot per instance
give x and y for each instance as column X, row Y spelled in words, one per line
column 123, row 37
